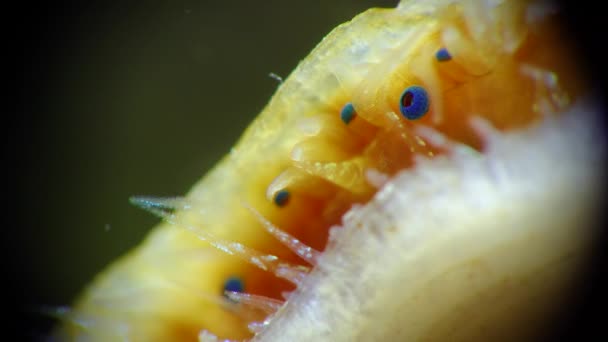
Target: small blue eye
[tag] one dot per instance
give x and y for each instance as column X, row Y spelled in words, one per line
column 414, row 102
column 443, row 55
column 348, row 113
column 281, row 197
column 234, row 284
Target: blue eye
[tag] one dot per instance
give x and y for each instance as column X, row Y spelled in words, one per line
column 348, row 113
column 281, row 197
column 234, row 284
column 443, row 55
column 414, row 102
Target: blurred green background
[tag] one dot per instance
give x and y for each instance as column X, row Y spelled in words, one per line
column 139, row 99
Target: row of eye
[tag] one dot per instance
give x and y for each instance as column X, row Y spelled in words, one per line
column 413, row 104
column 414, row 101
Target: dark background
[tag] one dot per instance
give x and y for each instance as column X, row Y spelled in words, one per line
column 121, row 98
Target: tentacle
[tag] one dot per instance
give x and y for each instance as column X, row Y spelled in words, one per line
column 305, row 252
column 266, row 304
column 266, row 262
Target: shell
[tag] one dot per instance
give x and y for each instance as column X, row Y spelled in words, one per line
column 462, row 190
